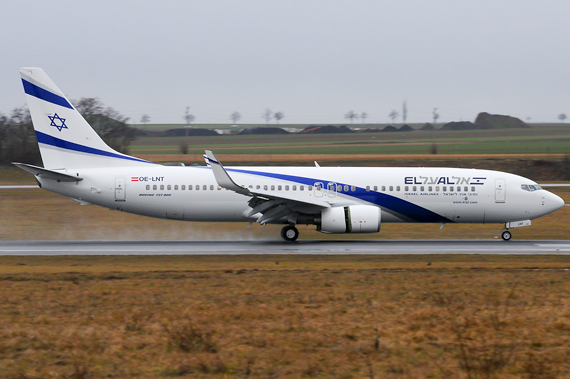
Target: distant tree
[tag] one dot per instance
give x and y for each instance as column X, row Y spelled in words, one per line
column 235, row 117
column 17, row 138
column 351, row 116
column 266, row 116
column 183, row 145
column 3, row 136
column 393, row 115
column 363, row 117
column 404, row 112
column 562, row 117
column 278, row 116
column 188, row 117
column 107, row 122
column 145, row 119
column 435, row 115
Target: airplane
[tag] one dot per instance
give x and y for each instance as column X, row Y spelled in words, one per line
column 80, row 165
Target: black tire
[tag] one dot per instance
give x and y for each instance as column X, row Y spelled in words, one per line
column 506, row 235
column 289, row 233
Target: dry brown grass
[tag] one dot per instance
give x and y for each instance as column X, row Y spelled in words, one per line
column 330, row 316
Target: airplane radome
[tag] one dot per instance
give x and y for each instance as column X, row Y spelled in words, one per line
column 78, row 164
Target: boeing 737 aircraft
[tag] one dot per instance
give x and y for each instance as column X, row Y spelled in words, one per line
column 78, row 164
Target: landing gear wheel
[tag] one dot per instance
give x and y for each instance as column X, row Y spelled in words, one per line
column 506, row 235
column 289, row 233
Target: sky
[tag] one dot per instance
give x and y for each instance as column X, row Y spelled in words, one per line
column 313, row 60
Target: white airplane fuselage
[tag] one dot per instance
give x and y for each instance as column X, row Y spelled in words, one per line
column 79, row 164
column 428, row 195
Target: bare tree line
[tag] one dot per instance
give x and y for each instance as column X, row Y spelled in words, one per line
column 18, row 141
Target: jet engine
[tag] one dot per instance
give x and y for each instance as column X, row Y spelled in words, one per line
column 351, row 219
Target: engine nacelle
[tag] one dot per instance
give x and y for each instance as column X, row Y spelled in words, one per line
column 351, row 219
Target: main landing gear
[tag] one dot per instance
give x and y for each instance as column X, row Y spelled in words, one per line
column 506, row 235
column 289, row 233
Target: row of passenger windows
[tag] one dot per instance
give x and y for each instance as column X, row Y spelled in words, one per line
column 182, row 187
column 204, row 187
column 339, row 188
column 423, row 189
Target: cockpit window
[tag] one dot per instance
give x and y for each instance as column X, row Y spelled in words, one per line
column 531, row 187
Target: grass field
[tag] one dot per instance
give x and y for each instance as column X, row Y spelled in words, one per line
column 89, row 317
column 543, row 139
column 285, row 317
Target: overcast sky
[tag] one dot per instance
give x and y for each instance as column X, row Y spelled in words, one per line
column 312, row 60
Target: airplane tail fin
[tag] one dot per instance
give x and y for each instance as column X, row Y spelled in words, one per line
column 65, row 139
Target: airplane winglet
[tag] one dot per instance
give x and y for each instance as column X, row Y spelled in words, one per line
column 222, row 177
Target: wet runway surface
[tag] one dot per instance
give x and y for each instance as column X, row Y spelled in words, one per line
column 561, row 247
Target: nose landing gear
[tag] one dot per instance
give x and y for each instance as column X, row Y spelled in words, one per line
column 289, row 233
column 506, row 235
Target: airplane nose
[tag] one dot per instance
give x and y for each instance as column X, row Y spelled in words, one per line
column 554, row 202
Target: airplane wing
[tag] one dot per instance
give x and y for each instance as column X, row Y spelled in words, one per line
column 270, row 204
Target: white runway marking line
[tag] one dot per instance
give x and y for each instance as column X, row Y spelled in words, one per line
column 17, row 187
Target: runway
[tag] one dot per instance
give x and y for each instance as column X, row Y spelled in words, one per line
column 279, row 247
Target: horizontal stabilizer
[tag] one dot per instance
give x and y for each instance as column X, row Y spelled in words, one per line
column 48, row 174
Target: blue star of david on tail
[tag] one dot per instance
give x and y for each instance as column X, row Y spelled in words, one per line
column 59, row 120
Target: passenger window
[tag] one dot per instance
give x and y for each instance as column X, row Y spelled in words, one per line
column 183, row 187
column 301, row 188
column 286, row 188
column 258, row 186
column 279, row 188
column 473, row 189
column 352, row 188
column 430, row 188
column 406, row 188
column 422, row 189
column 204, row 187
column 176, row 187
column 148, row 187
column 310, row 188
column 294, row 188
column 162, row 187
column 398, row 188
column 383, row 188
column 169, row 187
column 375, row 188
column 265, row 187
column 436, row 188
column 154, row 187
column 444, row 189
column 391, row 188
column 414, row 189
column 451, row 189
column 250, row 186
column 272, row 188
column 367, row 188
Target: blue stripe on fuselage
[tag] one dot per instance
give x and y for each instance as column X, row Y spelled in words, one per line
column 395, row 204
column 58, row 142
column 40, row 93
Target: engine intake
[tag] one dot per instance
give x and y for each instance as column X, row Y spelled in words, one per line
column 351, row 219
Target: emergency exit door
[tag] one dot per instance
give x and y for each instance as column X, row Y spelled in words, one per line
column 120, row 186
column 500, row 191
